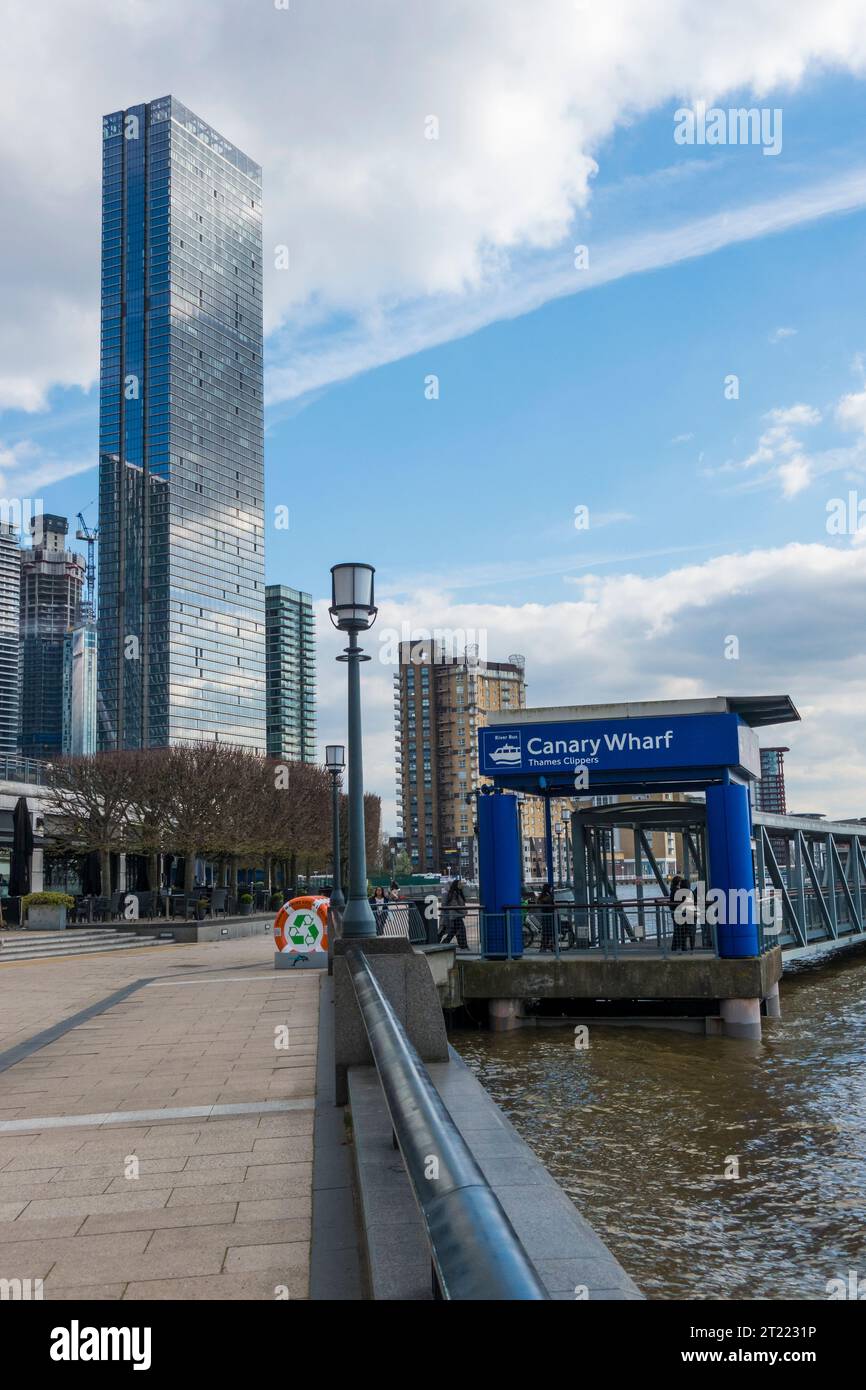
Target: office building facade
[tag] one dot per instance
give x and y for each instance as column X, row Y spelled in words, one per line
column 181, row 493
column 291, row 674
column 52, row 581
column 10, row 617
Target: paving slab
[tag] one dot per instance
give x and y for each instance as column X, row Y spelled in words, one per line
column 168, row 1057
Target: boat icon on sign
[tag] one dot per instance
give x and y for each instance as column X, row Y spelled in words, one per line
column 506, row 753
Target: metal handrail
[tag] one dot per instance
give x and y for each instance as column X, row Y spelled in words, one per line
column 475, row 1250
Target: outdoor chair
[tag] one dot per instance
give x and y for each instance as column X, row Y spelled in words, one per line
column 101, row 909
column 146, row 904
column 219, row 902
column 115, row 905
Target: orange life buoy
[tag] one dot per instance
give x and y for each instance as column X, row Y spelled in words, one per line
column 302, row 925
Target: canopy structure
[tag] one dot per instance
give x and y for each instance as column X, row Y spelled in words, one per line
column 649, row 746
column 639, row 749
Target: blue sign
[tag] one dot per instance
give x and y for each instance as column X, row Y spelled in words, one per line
column 677, row 741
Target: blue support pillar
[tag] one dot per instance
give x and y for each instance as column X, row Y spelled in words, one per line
column 729, row 842
column 499, row 874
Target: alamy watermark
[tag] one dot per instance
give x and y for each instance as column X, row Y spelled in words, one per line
column 700, row 125
column 418, row 646
column 16, row 514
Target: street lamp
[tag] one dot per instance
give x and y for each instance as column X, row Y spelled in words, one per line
column 353, row 610
column 520, row 798
column 559, row 827
column 335, row 761
column 566, row 819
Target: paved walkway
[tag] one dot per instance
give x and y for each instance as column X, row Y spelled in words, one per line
column 155, row 1138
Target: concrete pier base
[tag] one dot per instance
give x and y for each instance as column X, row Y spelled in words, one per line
column 741, row 1018
column 505, row 1014
column 774, row 1002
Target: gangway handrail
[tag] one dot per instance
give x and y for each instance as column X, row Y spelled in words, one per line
column 475, row 1250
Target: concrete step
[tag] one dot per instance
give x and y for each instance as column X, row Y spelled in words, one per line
column 48, row 945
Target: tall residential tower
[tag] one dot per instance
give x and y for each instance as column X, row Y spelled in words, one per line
column 181, row 487
column 291, row 667
column 10, row 607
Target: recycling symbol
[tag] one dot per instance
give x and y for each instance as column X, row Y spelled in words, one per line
column 304, row 930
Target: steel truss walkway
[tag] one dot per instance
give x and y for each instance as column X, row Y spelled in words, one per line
column 817, row 867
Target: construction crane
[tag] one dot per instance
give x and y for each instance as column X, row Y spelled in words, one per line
column 86, row 533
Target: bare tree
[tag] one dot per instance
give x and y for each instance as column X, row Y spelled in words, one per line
column 92, row 806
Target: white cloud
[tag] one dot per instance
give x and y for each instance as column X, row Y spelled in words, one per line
column 779, row 334
column 851, row 411
column 779, row 452
column 637, row 637
column 332, row 99
column 26, row 468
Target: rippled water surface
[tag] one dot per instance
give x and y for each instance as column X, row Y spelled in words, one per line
column 638, row 1129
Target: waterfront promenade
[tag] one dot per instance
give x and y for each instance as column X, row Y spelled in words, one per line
column 155, row 1140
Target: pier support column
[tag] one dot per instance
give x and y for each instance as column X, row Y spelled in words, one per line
column 500, row 864
column 729, row 830
column 773, row 1001
column 741, row 1018
column 504, row 1014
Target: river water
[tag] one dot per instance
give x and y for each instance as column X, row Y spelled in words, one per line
column 640, row 1126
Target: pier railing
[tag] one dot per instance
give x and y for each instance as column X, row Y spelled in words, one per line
column 608, row 927
column 474, row 1250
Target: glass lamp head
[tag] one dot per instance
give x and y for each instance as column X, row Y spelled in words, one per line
column 352, row 601
column 335, row 757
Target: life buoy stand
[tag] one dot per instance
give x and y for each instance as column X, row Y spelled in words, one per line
column 301, row 926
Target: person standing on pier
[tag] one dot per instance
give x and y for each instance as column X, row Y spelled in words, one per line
column 547, row 901
column 454, row 922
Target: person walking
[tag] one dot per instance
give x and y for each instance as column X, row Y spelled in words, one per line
column 379, row 904
column 547, row 902
column 455, row 924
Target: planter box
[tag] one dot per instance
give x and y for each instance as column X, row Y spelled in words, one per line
column 46, row 918
column 245, row 909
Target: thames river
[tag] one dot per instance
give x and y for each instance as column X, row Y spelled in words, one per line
column 712, row 1168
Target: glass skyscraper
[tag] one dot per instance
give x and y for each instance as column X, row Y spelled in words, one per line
column 291, row 667
column 181, row 490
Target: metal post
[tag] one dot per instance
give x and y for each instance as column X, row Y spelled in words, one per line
column 548, row 839
column 358, row 919
column 338, row 900
column 638, row 882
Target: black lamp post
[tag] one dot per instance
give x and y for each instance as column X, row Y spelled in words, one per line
column 559, row 827
column 566, row 820
column 335, row 761
column 352, row 611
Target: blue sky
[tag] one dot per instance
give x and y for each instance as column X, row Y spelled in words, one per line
column 612, row 397
column 558, row 387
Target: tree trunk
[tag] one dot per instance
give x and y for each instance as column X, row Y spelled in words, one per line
column 188, row 872
column 153, row 872
column 105, row 871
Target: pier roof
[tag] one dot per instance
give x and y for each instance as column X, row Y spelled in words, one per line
column 755, row 710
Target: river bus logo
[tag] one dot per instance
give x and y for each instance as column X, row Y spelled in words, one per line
column 506, row 750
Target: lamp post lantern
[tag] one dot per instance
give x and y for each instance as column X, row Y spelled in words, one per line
column 335, row 761
column 566, row 820
column 352, row 611
column 559, row 827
